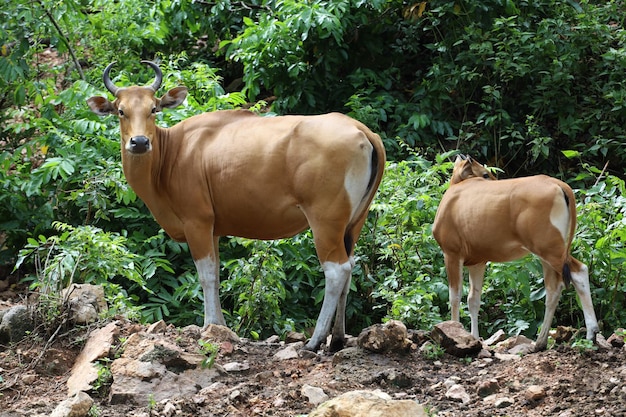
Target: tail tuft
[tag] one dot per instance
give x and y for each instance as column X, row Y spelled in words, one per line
column 567, row 274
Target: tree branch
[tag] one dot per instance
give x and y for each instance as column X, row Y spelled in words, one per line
column 64, row 39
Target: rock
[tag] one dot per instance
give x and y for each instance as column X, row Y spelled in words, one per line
column 16, row 323
column 503, row 402
column 293, row 337
column 452, row 336
column 562, row 334
column 511, row 342
column 84, row 372
column 535, row 393
column 77, row 405
column 456, row 392
column 153, row 369
column 217, row 333
column 158, row 327
column 486, row 388
column 236, row 366
column 617, row 338
column 289, row 352
column 522, row 349
column 192, row 331
column 497, row 337
column 85, row 301
column 314, row 394
column 368, row 404
column 507, row 357
column 389, row 337
column 602, row 343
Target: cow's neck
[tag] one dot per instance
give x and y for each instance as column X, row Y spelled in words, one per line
column 144, row 173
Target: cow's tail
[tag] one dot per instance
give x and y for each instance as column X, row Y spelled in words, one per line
column 377, row 167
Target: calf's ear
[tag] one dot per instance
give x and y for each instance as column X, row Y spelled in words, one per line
column 173, row 98
column 101, row 106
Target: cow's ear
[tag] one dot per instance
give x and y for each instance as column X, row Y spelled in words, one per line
column 173, row 98
column 100, row 105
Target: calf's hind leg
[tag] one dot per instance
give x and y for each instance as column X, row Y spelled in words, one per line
column 580, row 280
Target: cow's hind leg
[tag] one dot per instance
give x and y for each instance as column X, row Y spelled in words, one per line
column 454, row 268
column 337, row 283
column 337, row 266
column 580, row 280
column 476, row 278
column 554, row 285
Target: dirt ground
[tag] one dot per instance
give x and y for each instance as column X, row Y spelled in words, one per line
column 574, row 382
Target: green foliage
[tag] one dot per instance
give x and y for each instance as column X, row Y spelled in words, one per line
column 583, row 345
column 514, row 83
column 408, row 271
column 432, row 351
column 210, row 350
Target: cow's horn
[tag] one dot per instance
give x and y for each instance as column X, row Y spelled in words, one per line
column 107, row 79
column 159, row 75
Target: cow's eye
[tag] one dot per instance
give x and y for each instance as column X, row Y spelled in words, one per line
column 154, row 110
column 120, row 112
column 486, row 176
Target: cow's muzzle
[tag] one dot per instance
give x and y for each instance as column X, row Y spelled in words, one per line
column 139, row 144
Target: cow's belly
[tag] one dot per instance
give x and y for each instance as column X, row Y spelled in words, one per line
column 265, row 224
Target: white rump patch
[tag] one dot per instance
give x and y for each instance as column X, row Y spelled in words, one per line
column 357, row 178
column 559, row 215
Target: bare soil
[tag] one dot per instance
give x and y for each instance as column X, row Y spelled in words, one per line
column 576, row 382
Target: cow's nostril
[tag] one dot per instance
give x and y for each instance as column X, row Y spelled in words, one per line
column 139, row 144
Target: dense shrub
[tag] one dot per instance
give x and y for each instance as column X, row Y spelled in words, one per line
column 529, row 86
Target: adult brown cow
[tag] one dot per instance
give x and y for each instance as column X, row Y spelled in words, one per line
column 481, row 220
column 233, row 173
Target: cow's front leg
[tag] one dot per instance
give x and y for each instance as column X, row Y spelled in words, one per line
column 205, row 253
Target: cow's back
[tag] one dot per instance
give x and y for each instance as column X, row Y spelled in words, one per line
column 247, row 170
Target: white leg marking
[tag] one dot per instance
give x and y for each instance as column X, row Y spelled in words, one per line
column 455, row 293
column 337, row 275
column 580, row 280
column 477, row 277
column 208, row 274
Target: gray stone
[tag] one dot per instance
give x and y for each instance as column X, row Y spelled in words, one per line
column 216, row 333
column 16, row 323
column 452, row 336
column 85, row 301
column 535, row 393
column 153, row 369
column 456, row 392
column 486, row 388
column 289, row 352
column 84, row 372
column 389, row 337
column 498, row 336
column 511, row 342
column 368, row 404
column 315, row 395
column 77, row 405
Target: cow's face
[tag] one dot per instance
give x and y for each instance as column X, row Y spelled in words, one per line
column 466, row 167
column 136, row 108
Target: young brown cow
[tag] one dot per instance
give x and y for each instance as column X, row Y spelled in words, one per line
column 481, row 220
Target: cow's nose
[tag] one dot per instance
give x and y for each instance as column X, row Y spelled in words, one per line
column 139, row 144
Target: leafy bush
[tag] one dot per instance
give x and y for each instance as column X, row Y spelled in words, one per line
column 514, row 82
